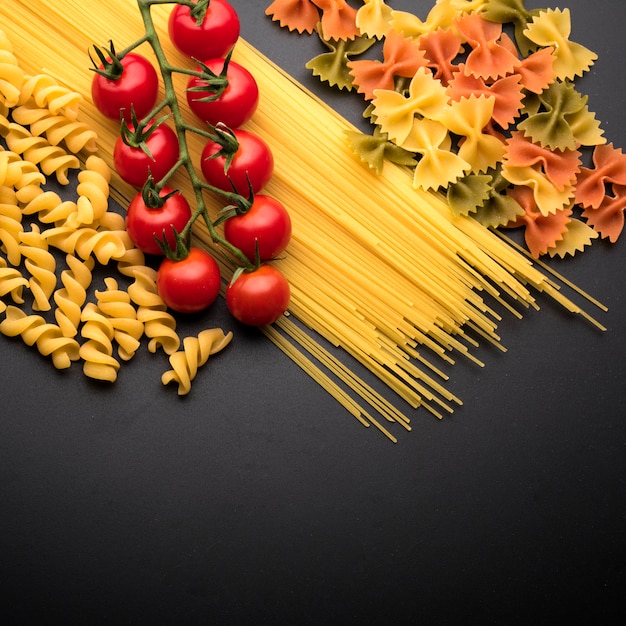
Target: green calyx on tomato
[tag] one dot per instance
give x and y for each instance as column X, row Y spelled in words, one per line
column 226, row 142
column 209, row 82
column 110, row 65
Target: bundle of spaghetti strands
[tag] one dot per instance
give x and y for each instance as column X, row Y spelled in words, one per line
column 377, row 268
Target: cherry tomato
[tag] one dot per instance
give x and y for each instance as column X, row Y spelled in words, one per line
column 253, row 159
column 258, row 297
column 133, row 164
column 144, row 223
column 215, row 36
column 232, row 104
column 191, row 284
column 266, row 224
column 137, row 86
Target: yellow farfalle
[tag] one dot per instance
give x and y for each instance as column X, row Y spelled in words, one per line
column 395, row 113
column 373, row 18
column 442, row 15
column 467, row 118
column 438, row 166
column 548, row 198
column 552, row 27
column 575, row 238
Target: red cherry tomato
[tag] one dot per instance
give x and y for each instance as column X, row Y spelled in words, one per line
column 253, row 159
column 266, row 224
column 144, row 223
column 133, row 164
column 191, row 284
column 259, row 297
column 234, row 104
column 215, row 36
column 137, row 86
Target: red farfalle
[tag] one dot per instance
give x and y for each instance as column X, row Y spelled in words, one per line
column 299, row 15
column 338, row 19
column 487, row 58
column 609, row 167
column 401, row 57
column 561, row 167
column 541, row 232
column 441, row 47
column 608, row 218
column 507, row 92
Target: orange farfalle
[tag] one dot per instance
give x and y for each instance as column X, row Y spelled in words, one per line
column 338, row 19
column 541, row 232
column 401, row 57
column 537, row 70
column 609, row 168
column 561, row 167
column 441, row 47
column 506, row 91
column 608, row 218
column 299, row 15
column 487, row 59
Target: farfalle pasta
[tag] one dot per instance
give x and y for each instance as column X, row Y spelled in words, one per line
column 553, row 28
column 196, row 351
column 448, row 95
column 373, row 18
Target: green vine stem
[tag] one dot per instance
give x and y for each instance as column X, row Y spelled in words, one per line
column 182, row 128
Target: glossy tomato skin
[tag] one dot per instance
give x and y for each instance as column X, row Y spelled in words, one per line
column 253, row 159
column 266, row 224
column 235, row 105
column 190, row 285
column 143, row 223
column 133, row 164
column 214, row 37
column 138, row 86
column 259, row 297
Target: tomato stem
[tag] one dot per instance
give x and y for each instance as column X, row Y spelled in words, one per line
column 182, row 128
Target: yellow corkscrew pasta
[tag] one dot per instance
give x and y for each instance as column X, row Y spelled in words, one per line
column 71, row 297
column 47, row 337
column 97, row 350
column 115, row 304
column 195, row 353
column 41, row 265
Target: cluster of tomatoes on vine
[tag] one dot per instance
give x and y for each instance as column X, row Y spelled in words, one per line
column 235, row 163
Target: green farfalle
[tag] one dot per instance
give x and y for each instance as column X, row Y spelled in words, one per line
column 498, row 210
column 515, row 13
column 550, row 116
column 468, row 193
column 376, row 149
column 332, row 67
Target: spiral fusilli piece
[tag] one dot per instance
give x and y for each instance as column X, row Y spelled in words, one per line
column 127, row 329
column 41, row 265
column 38, row 150
column 35, row 331
column 70, row 298
column 195, row 353
column 97, row 349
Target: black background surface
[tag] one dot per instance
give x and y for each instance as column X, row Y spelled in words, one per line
column 258, row 499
